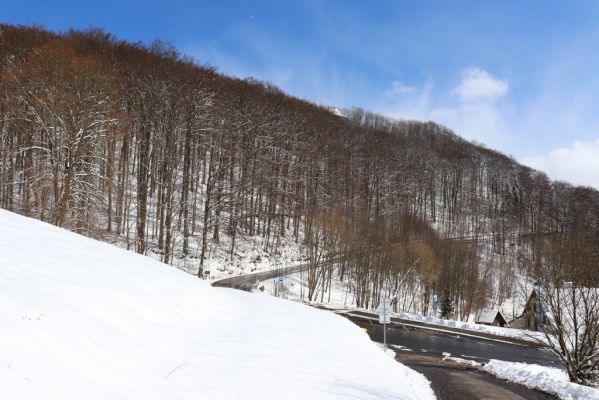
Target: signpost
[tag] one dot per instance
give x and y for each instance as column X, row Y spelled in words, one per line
column 384, row 311
column 279, row 286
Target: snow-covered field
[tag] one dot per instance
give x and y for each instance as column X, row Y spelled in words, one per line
column 81, row 319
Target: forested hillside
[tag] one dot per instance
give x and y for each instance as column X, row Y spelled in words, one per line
column 140, row 145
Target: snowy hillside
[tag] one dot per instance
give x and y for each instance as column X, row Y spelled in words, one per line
column 80, row 319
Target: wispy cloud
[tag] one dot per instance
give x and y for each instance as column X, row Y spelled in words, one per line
column 470, row 108
column 307, row 73
column 403, row 101
column 399, row 88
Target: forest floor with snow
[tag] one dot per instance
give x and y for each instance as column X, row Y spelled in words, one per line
column 249, row 255
column 81, row 319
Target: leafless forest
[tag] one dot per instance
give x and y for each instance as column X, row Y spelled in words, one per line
column 138, row 144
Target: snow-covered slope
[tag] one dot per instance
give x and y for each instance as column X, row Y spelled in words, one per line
column 80, row 319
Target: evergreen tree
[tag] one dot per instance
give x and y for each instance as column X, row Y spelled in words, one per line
column 446, row 305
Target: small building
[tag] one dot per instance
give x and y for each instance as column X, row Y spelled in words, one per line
column 491, row 317
column 537, row 314
column 533, row 316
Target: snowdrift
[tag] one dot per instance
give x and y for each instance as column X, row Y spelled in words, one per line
column 81, row 319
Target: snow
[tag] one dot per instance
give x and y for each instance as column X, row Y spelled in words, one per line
column 401, row 348
column 486, row 316
column 249, row 256
column 469, row 363
column 340, row 297
column 546, row 379
column 295, row 288
column 551, row 380
column 521, row 334
column 84, row 319
column 337, row 112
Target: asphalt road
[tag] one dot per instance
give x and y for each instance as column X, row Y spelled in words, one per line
column 250, row 281
column 452, row 381
column 458, row 331
column 423, row 352
column 437, row 343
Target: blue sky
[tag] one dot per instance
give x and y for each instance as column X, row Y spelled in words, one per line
column 521, row 77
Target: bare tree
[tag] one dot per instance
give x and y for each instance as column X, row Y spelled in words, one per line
column 571, row 326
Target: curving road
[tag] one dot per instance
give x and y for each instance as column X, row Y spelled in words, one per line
column 472, row 348
column 462, row 344
column 422, row 350
column 249, row 282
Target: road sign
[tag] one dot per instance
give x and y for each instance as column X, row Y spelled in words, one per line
column 384, row 318
column 384, row 307
column 281, row 280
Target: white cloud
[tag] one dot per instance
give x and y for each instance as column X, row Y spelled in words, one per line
column 475, row 115
column 478, row 84
column 578, row 164
column 479, row 121
column 479, row 109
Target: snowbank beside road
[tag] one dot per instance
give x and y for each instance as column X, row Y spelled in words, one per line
column 550, row 380
column 545, row 379
column 83, row 319
column 521, row 334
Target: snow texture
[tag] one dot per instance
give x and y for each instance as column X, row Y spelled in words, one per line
column 81, row 319
column 550, row 380
column 546, row 379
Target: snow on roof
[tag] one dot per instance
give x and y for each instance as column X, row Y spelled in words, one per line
column 486, row 316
